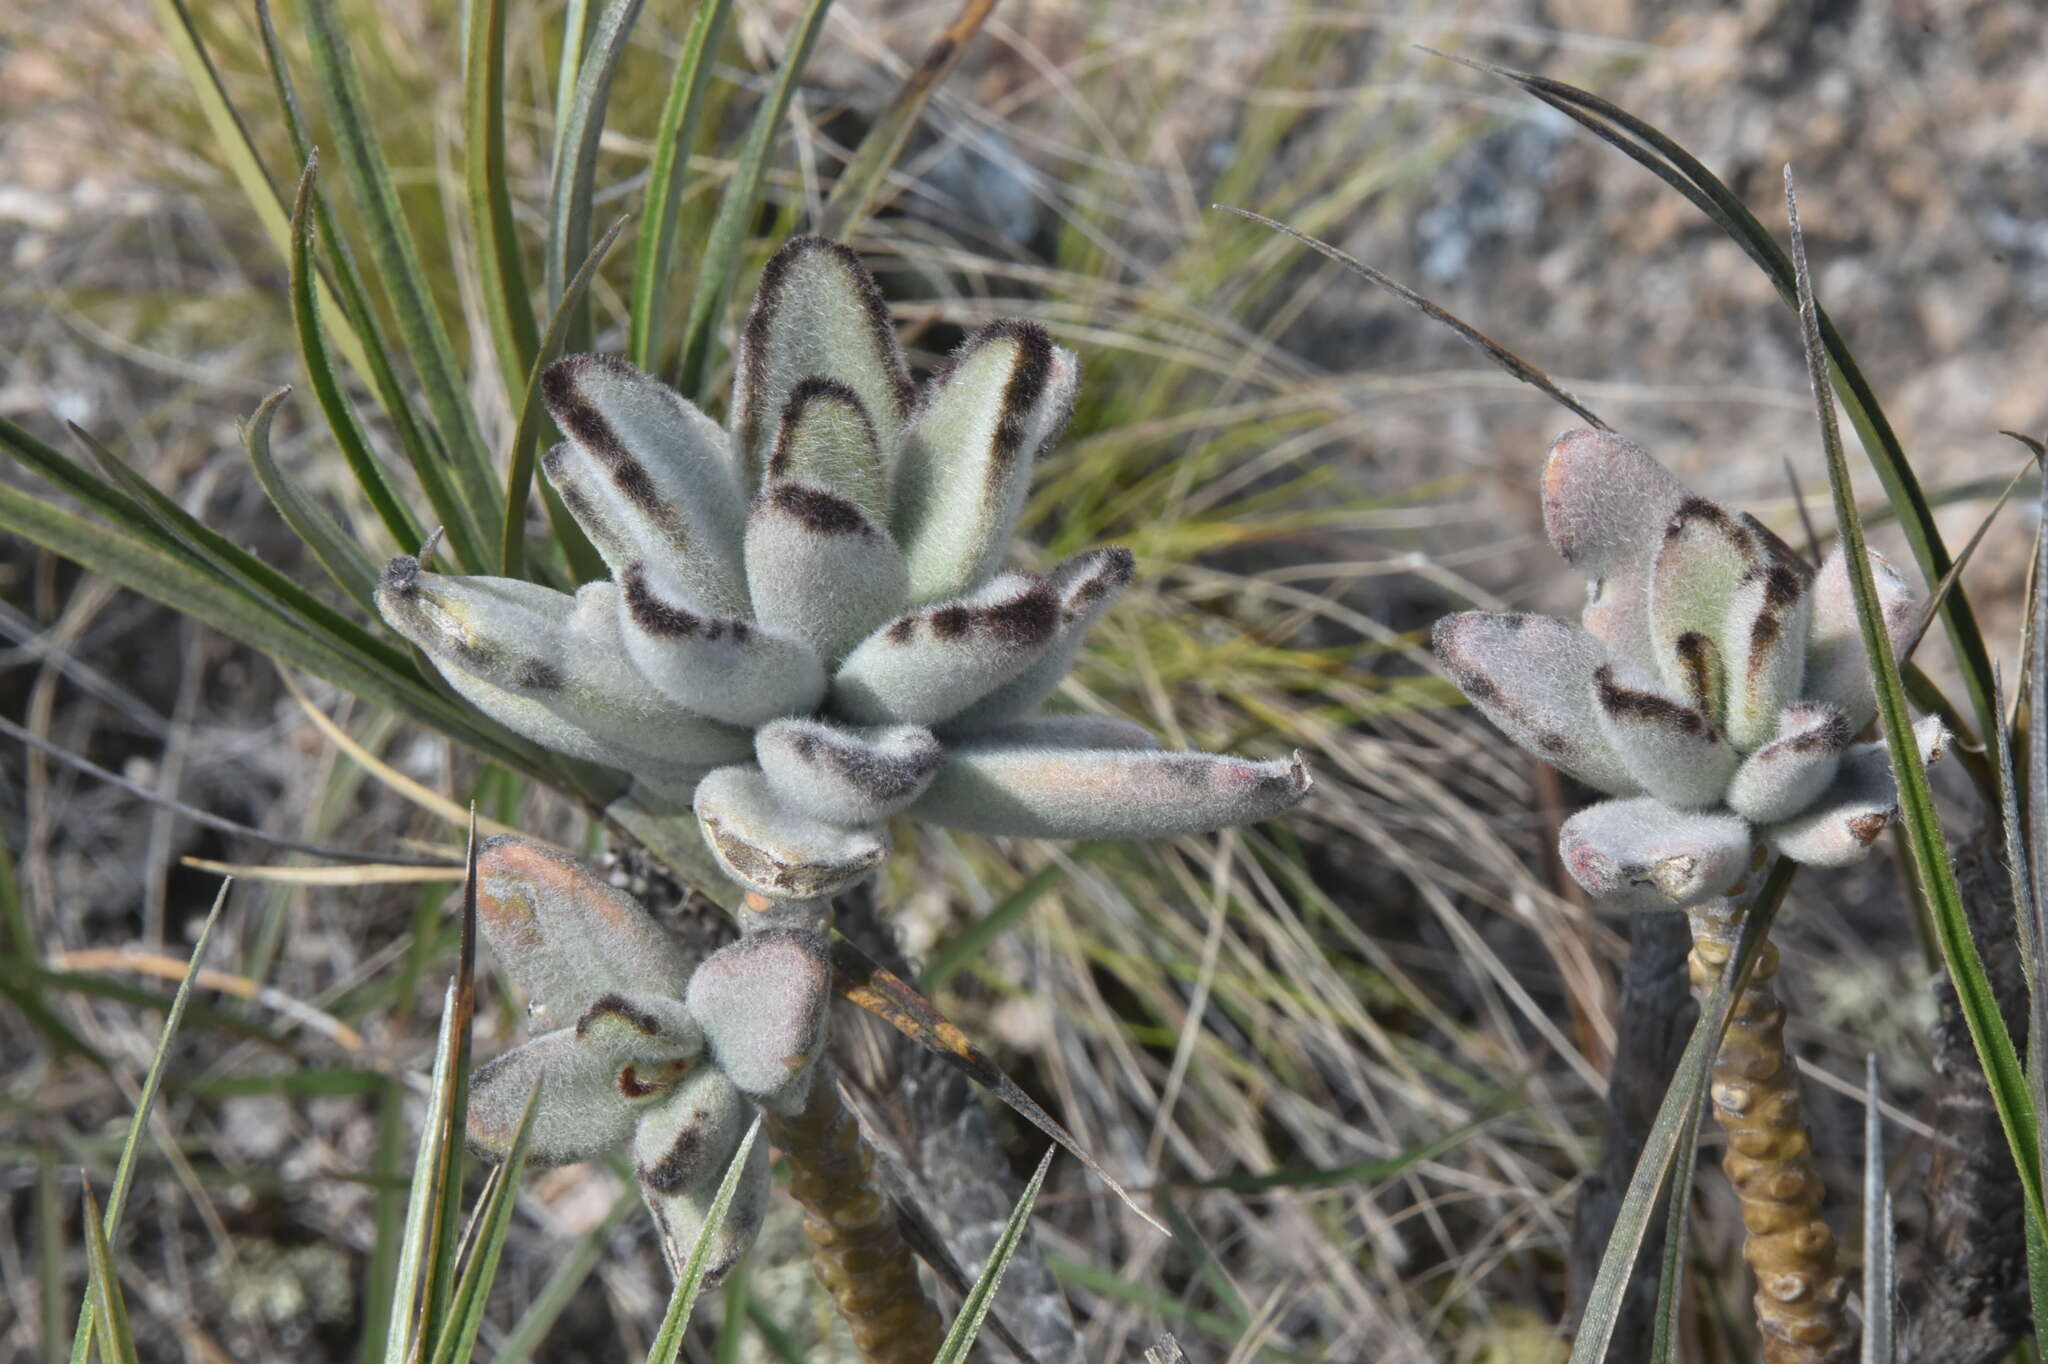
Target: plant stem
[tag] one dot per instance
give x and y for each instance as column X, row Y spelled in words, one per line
column 1801, row 1291
column 859, row 1253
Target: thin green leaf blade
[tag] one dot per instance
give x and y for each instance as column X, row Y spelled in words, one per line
column 571, row 187
column 109, row 1306
column 341, row 554
column 966, row 1326
column 507, row 299
column 668, row 1341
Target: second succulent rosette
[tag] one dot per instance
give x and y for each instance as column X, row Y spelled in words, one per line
column 1714, row 686
column 810, row 624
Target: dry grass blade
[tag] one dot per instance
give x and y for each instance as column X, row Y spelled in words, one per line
column 222, row 982
column 1492, row 349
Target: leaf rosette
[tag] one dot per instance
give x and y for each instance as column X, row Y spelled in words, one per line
column 1714, row 686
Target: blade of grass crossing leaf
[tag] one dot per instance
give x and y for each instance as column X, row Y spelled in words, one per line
column 962, row 949
column 494, row 1220
column 507, row 299
column 1684, row 172
column 855, row 192
column 546, row 1306
column 231, row 135
column 675, row 135
column 720, row 263
column 1921, row 822
column 152, row 1085
column 571, row 187
column 103, row 1291
column 966, row 1326
column 340, row 553
column 334, row 404
column 1880, row 1269
column 533, row 416
column 1676, row 1115
column 403, row 280
column 668, row 1341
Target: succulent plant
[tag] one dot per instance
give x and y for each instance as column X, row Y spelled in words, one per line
column 1714, row 685
column 639, row 1048
column 809, row 625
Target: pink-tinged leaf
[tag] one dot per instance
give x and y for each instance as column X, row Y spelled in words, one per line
column 762, row 1003
column 965, row 462
column 647, row 476
column 1036, row 792
column 816, row 315
column 1836, row 668
column 1842, row 824
column 1671, row 750
column 589, row 1100
column 720, row 666
column 1605, row 502
column 820, row 569
column 565, row 936
column 928, row 666
column 680, row 1153
column 1790, row 772
column 1533, row 677
column 1642, row 854
column 775, row 850
column 1086, row 586
column 849, row 777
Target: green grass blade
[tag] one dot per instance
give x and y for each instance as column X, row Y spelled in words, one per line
column 967, row 945
column 104, row 1230
column 720, row 263
column 546, row 1306
column 668, row 1341
column 507, row 300
column 494, row 1220
column 231, row 135
column 403, row 280
column 381, row 1276
column 1678, row 168
column 1677, row 1225
column 573, row 184
column 340, row 553
column 237, row 568
column 966, row 1326
column 532, row 417
column 674, row 136
column 348, row 432
column 1919, row 819
column 109, row 1307
column 860, row 183
column 1678, row 1114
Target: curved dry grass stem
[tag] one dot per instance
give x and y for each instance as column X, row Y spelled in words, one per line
column 1801, row 1291
column 859, row 1253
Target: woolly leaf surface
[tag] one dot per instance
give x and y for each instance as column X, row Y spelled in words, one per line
column 647, row 475
column 1790, row 772
column 1069, row 730
column 762, row 1003
column 589, row 1101
column 966, row 458
column 930, row 664
column 1605, row 502
column 1086, row 586
column 1038, row 792
column 816, row 314
column 1836, row 668
column 844, row 776
column 820, row 570
column 826, row 439
column 1673, row 751
column 1642, row 854
column 1533, row 677
column 1842, row 824
column 1765, row 634
column 565, row 936
column 721, row 666
column 680, row 1153
column 639, row 1028
column 768, row 847
column 1704, row 554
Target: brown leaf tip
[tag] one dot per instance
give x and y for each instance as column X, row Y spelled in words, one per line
column 817, row 510
column 1626, row 703
column 768, row 302
column 815, row 388
column 1029, row 375
column 666, row 620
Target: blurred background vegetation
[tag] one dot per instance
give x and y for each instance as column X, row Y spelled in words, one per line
column 1357, row 1056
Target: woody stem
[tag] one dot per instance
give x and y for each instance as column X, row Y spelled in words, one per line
column 1801, row 1290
